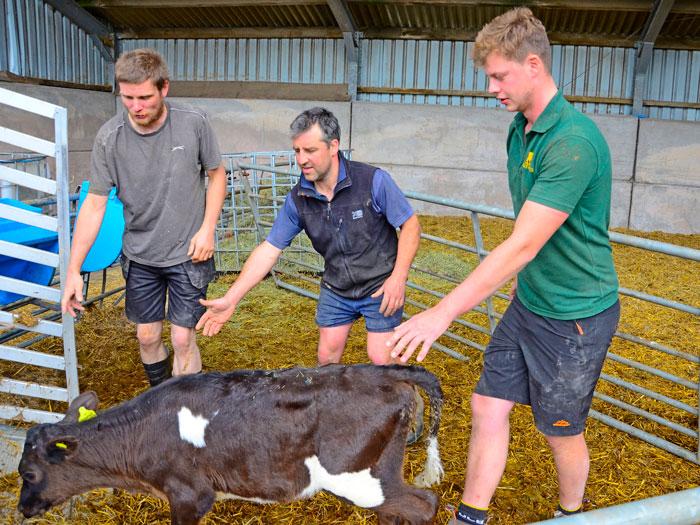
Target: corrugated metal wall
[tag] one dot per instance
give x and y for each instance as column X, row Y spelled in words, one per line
column 595, row 72
column 42, row 43
column 307, row 60
column 582, row 71
column 674, row 75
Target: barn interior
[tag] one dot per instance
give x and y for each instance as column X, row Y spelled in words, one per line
column 399, row 76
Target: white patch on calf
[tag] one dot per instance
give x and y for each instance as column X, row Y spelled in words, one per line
column 192, row 427
column 359, row 487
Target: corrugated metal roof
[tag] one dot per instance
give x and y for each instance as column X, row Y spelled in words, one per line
column 591, row 22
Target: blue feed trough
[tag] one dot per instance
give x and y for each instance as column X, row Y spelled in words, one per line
column 19, row 233
column 104, row 252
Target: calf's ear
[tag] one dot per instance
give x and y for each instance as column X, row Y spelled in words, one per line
column 88, row 400
column 60, row 449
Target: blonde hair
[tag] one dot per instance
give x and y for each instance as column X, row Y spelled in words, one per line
column 139, row 65
column 513, row 35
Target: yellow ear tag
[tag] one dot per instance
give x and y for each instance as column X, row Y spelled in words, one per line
column 61, row 445
column 84, row 414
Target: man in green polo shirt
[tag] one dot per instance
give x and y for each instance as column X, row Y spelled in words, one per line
column 549, row 348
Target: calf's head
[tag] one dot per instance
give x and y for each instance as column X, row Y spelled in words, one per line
column 47, row 467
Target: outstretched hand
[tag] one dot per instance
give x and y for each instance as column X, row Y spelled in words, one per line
column 424, row 328
column 219, row 311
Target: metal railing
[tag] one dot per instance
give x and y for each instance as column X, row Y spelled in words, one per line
column 29, row 163
column 300, row 267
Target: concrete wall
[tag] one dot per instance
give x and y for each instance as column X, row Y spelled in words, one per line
column 444, row 150
column 87, row 111
column 460, row 153
column 667, row 179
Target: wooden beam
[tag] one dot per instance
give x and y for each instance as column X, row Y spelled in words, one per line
column 389, row 34
column 259, row 90
column 234, row 32
column 555, row 37
column 485, row 94
column 11, row 77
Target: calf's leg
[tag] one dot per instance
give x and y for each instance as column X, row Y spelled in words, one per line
column 410, row 506
column 188, row 503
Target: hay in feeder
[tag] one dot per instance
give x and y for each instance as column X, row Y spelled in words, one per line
column 273, row 328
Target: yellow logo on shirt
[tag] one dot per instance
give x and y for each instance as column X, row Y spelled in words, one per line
column 527, row 164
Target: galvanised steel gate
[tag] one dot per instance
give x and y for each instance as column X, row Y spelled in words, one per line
column 57, row 224
column 259, row 189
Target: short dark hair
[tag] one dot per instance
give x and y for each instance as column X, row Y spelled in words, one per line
column 139, row 65
column 321, row 116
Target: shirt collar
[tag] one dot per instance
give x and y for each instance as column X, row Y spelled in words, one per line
column 341, row 175
column 549, row 117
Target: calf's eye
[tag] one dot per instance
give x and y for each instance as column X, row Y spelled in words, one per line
column 29, row 477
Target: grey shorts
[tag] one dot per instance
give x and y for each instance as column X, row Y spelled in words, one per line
column 183, row 284
column 550, row 364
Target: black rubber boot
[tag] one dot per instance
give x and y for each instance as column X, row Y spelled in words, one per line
column 158, row 372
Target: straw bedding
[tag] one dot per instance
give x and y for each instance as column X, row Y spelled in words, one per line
column 273, row 328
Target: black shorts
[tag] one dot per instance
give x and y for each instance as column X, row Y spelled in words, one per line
column 550, row 364
column 184, row 285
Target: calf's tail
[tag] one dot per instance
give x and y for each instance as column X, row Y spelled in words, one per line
column 432, row 469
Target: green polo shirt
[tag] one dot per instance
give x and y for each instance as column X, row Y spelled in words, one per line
column 563, row 162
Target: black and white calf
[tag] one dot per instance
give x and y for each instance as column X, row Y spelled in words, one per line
column 265, row 436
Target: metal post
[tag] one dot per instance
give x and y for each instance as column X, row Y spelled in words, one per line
column 479, row 242
column 677, row 508
column 4, row 63
column 63, row 216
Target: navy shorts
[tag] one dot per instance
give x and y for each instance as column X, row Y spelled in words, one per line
column 550, row 364
column 335, row 310
column 184, row 285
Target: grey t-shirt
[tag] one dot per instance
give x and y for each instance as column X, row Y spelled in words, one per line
column 160, row 180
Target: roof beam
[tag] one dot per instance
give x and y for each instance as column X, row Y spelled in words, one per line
column 98, row 32
column 388, row 33
column 81, row 18
column 351, row 37
column 645, row 48
column 656, row 20
column 342, row 15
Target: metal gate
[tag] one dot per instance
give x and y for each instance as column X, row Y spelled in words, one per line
column 57, row 224
column 672, row 424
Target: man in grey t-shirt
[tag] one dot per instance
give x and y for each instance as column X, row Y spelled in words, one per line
column 157, row 155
